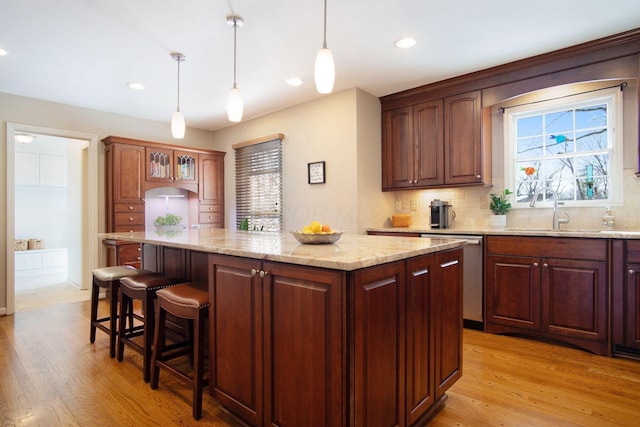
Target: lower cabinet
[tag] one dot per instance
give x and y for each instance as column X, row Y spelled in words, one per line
column 306, row 346
column 123, row 253
column 626, row 298
column 555, row 288
column 277, row 342
column 434, row 330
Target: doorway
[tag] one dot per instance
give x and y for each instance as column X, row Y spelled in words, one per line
column 60, row 174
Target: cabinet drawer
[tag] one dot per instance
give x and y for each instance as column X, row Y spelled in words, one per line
column 549, row 247
column 633, row 251
column 128, row 207
column 129, row 218
column 210, row 208
column 209, row 218
column 128, row 228
column 129, row 253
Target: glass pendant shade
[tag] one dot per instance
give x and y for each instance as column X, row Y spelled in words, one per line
column 324, row 71
column 177, row 125
column 234, row 105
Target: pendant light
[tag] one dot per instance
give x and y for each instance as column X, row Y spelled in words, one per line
column 325, row 69
column 177, row 120
column 234, row 101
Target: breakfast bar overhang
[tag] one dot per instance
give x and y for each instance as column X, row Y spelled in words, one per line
column 366, row 331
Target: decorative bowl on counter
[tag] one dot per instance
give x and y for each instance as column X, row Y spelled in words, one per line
column 317, row 238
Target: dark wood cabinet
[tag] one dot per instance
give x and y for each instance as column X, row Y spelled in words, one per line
column 211, row 190
column 434, row 330
column 296, row 345
column 438, row 143
column 379, row 351
column 554, row 288
column 132, row 167
column 626, row 298
column 465, row 157
column 413, row 150
column 277, row 351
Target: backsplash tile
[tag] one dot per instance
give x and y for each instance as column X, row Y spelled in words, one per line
column 471, row 207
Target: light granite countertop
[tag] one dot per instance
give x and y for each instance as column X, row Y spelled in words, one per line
column 351, row 252
column 600, row 234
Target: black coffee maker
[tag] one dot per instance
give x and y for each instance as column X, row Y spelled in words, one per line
column 440, row 213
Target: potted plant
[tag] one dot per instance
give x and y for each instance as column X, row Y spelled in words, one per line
column 167, row 223
column 499, row 206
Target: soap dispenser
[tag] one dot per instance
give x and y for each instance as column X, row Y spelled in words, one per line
column 608, row 220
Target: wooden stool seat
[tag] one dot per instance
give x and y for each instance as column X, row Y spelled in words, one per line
column 184, row 302
column 108, row 278
column 141, row 287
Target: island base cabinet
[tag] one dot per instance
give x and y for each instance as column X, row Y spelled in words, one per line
column 276, row 342
column 378, row 337
column 434, row 330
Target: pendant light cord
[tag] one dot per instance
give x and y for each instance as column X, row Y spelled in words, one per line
column 235, row 30
column 324, row 33
column 178, row 107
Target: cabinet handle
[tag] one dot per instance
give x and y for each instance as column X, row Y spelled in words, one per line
column 139, row 250
column 130, row 208
column 631, row 271
column 254, row 271
column 545, row 265
column 535, row 264
column 130, row 219
column 263, row 273
column 478, row 176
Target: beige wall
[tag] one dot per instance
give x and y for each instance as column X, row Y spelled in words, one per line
column 33, row 112
column 342, row 129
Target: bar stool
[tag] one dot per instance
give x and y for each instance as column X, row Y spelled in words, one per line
column 184, row 302
column 142, row 287
column 108, row 278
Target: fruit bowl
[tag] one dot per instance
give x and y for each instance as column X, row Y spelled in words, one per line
column 317, row 238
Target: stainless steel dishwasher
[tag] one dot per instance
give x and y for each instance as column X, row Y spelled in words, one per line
column 472, row 301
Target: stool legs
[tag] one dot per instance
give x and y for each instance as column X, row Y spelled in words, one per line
column 146, row 330
column 112, row 331
column 198, row 316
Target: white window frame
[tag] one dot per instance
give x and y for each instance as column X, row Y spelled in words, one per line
column 613, row 97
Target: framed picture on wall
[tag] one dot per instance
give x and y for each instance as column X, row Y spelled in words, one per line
column 316, row 171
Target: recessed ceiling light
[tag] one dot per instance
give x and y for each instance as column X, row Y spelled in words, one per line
column 3, row 52
column 406, row 42
column 293, row 81
column 135, row 86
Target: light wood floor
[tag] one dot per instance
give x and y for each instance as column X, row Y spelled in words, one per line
column 50, row 376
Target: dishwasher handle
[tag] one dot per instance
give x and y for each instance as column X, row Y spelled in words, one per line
column 471, row 240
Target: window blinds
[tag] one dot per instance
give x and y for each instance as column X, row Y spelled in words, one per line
column 259, row 186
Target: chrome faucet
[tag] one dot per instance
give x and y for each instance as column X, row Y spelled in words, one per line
column 556, row 220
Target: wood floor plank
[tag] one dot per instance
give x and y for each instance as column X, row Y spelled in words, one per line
column 51, row 375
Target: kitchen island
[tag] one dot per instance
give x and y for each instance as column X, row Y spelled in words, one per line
column 366, row 331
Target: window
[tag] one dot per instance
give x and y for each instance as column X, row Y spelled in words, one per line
column 259, row 186
column 571, row 145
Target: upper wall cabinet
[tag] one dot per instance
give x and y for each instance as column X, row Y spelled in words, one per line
column 437, row 143
column 165, row 165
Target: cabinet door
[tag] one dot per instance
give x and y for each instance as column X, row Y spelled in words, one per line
column 379, row 346
column 305, row 364
column 211, row 187
column 574, row 295
column 159, row 164
column 632, row 307
column 447, row 320
column 235, row 337
column 420, row 337
column 428, row 131
column 128, row 173
column 185, row 166
column 463, row 139
column 398, row 149
column 512, row 293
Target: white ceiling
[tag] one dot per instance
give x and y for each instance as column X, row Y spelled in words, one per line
column 84, row 52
